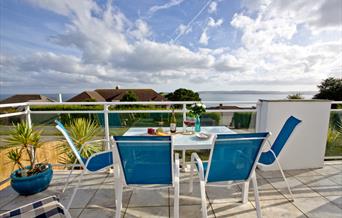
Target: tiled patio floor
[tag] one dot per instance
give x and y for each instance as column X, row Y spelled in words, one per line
column 318, row 193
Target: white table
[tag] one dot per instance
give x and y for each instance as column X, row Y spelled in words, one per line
column 191, row 142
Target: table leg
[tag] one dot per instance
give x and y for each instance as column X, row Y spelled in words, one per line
column 183, row 161
column 245, row 190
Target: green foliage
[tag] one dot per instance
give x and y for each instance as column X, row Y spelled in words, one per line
column 25, row 140
column 183, row 95
column 81, row 131
column 214, row 118
column 241, row 120
column 129, row 96
column 334, row 141
column 330, row 88
column 197, row 109
column 295, row 96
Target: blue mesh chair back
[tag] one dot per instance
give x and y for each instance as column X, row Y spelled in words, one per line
column 145, row 159
column 234, row 156
column 268, row 158
column 61, row 127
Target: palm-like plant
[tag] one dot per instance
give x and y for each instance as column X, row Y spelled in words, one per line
column 81, row 130
column 26, row 141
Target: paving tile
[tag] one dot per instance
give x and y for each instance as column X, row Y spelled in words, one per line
column 82, row 197
column 271, row 174
column 266, row 191
column 318, row 207
column 98, row 212
column 329, row 170
column 237, row 210
column 186, row 198
column 150, row 212
column 303, row 173
column 279, row 208
column 7, row 195
column 223, row 194
column 149, row 197
column 105, row 197
column 336, row 178
column 193, row 211
column 75, row 212
column 337, row 200
column 322, row 185
column 299, row 190
column 23, row 200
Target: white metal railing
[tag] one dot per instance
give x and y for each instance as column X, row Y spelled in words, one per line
column 106, row 111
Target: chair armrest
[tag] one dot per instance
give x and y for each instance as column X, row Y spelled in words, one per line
column 195, row 157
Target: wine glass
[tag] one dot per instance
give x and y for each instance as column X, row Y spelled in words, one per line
column 189, row 122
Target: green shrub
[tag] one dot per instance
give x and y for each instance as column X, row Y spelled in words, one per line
column 241, row 120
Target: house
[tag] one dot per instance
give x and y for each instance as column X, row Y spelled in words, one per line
column 116, row 95
column 26, row 98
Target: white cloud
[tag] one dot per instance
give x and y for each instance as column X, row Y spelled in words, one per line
column 183, row 29
column 116, row 50
column 212, row 7
column 170, row 4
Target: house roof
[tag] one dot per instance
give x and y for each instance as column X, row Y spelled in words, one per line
column 86, row 95
column 117, row 94
column 25, row 98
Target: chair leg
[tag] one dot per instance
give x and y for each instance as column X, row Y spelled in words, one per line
column 245, row 190
column 118, row 196
column 67, row 182
column 256, row 195
column 191, row 180
column 283, row 175
column 203, row 200
column 176, row 201
column 75, row 190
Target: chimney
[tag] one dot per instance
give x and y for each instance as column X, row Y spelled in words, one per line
column 117, row 87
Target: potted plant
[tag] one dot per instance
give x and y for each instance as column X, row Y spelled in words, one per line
column 35, row 177
column 197, row 110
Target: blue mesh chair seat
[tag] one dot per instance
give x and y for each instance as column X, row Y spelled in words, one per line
column 99, row 162
column 233, row 158
column 146, row 160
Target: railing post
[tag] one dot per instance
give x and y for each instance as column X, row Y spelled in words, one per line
column 184, row 117
column 106, row 122
column 28, row 116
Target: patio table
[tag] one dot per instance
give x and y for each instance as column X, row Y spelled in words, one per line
column 183, row 142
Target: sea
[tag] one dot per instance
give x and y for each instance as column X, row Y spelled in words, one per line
column 214, row 95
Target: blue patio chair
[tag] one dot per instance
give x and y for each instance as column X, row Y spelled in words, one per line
column 269, row 157
column 142, row 161
column 233, row 159
column 95, row 163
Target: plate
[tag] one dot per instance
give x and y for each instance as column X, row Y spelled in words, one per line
column 202, row 135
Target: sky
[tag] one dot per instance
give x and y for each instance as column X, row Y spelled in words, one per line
column 64, row 46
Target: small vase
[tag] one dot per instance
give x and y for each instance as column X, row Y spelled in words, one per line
column 198, row 124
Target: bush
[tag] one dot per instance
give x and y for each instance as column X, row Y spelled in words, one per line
column 241, row 120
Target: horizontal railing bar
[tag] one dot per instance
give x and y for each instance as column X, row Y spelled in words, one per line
column 336, row 102
column 138, row 103
column 12, row 114
column 332, row 157
column 66, row 112
column 334, row 110
column 13, row 104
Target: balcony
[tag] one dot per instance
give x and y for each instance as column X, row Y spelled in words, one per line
column 318, row 193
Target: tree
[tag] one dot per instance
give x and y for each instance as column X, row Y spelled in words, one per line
column 330, row 88
column 129, row 96
column 295, row 96
column 183, row 95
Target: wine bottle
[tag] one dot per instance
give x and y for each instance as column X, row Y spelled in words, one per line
column 173, row 122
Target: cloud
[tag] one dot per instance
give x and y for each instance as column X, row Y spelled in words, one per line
column 183, row 29
column 212, row 7
column 114, row 49
column 204, row 38
column 170, row 4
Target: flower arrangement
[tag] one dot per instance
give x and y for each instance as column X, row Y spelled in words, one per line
column 197, row 109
